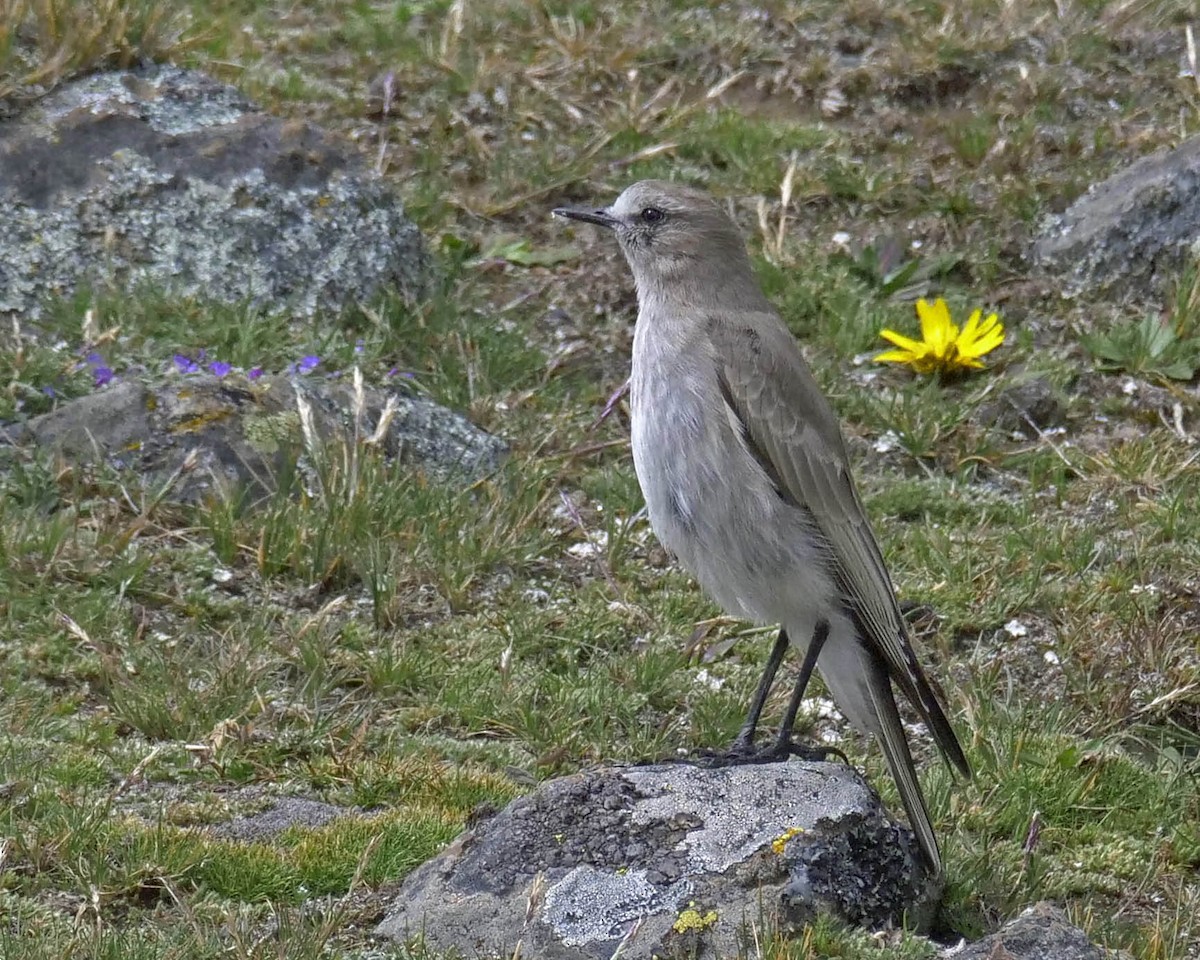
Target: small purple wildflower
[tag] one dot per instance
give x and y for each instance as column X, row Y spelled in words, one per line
column 101, row 372
column 185, row 364
column 219, row 368
column 255, row 373
column 359, row 345
column 308, row 364
column 397, row 372
column 49, row 391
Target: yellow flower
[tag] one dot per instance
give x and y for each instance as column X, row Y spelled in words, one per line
column 942, row 347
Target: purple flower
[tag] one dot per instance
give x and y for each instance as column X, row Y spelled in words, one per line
column 358, row 345
column 185, row 364
column 219, row 368
column 308, row 364
column 49, row 391
column 102, row 373
column 254, row 373
column 397, row 372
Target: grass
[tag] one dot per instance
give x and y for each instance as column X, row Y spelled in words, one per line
column 415, row 649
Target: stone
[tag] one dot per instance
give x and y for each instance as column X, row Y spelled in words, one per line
column 241, row 436
column 1130, row 233
column 166, row 177
column 1041, row 932
column 283, row 814
column 1026, row 408
column 669, row 860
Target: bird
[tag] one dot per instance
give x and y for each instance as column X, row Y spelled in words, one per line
column 747, row 480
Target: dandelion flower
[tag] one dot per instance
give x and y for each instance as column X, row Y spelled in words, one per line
column 943, row 348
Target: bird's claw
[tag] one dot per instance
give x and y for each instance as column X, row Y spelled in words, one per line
column 743, row 751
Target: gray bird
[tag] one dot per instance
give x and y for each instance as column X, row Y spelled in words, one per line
column 747, row 481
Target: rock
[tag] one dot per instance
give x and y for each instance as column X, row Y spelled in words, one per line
column 1130, row 232
column 1040, row 933
column 1025, row 408
column 246, row 434
column 168, row 177
column 671, row 860
column 284, row 813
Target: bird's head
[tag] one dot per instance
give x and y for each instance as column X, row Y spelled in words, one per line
column 667, row 230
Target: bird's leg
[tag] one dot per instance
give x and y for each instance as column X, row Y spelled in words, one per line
column 743, row 743
column 784, row 746
column 742, row 750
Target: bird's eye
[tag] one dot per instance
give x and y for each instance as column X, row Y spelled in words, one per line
column 652, row 215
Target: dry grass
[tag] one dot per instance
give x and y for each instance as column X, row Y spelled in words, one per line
column 44, row 42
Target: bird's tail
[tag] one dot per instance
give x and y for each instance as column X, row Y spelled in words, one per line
column 890, row 732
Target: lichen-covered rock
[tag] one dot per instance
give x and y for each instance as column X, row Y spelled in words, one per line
column 167, row 177
column 1042, row 932
column 672, row 860
column 242, row 436
column 1130, row 232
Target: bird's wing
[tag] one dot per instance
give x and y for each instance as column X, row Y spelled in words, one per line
column 789, row 426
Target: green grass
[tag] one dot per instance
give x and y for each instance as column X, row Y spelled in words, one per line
column 376, row 639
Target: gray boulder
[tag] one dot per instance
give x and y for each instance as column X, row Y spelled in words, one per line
column 1042, row 932
column 1132, row 231
column 672, row 860
column 168, row 177
column 238, row 435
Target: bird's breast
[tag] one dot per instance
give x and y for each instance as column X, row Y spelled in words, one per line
column 709, row 501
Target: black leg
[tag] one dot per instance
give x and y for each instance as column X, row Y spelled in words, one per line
column 743, row 744
column 743, row 749
column 820, row 635
column 784, row 747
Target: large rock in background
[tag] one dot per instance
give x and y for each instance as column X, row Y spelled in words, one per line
column 243, row 436
column 666, row 861
column 167, row 177
column 170, row 177
column 1130, row 233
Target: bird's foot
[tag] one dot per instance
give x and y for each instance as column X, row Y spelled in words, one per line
column 744, row 751
column 741, row 751
column 809, row 752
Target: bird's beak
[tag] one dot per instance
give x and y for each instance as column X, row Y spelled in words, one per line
column 602, row 218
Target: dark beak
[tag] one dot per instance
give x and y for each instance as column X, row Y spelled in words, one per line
column 601, row 218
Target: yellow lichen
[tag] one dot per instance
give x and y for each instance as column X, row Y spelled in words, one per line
column 692, row 919
column 200, row 421
column 779, row 844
